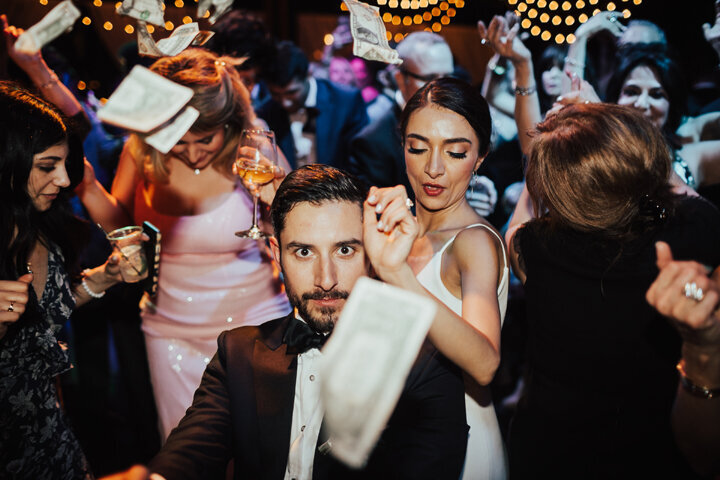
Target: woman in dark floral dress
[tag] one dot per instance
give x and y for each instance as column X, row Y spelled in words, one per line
column 40, row 162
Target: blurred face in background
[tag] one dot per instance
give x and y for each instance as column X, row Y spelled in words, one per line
column 642, row 90
column 362, row 76
column 552, row 81
column 341, row 72
column 291, row 96
column 427, row 64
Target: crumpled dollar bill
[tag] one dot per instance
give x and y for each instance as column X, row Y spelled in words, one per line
column 183, row 37
column 149, row 11
column 369, row 33
column 57, row 21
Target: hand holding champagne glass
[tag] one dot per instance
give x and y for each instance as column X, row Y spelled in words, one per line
column 256, row 165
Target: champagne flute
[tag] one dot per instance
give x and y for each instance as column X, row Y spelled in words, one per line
column 256, row 170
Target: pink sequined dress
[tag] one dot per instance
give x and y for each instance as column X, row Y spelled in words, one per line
column 210, row 281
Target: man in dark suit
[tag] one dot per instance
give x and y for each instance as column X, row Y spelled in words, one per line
column 258, row 400
column 313, row 119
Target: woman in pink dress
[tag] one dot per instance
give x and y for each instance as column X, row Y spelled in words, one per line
column 210, row 280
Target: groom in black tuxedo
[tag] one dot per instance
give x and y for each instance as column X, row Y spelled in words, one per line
column 257, row 403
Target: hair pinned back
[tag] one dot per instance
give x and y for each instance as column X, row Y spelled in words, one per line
column 595, row 166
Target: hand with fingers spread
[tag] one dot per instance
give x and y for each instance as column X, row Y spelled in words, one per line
column 504, row 39
column 13, row 299
column 602, row 21
column 389, row 229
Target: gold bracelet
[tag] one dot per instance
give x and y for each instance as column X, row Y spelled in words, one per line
column 53, row 80
column 694, row 389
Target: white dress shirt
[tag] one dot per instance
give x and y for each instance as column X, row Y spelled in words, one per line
column 304, row 142
column 307, row 417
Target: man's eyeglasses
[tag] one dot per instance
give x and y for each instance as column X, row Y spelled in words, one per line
column 424, row 78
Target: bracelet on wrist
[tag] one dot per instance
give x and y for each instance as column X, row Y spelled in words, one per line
column 525, row 91
column 694, row 389
column 85, row 287
column 52, row 81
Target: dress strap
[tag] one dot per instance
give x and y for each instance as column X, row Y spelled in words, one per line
column 495, row 234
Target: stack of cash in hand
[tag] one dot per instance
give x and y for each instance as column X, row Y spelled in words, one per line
column 369, row 33
column 366, row 362
column 146, row 102
column 58, row 21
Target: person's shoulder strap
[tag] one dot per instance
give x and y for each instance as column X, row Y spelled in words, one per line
column 495, row 234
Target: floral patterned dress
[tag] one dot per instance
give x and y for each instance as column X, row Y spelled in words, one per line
column 36, row 441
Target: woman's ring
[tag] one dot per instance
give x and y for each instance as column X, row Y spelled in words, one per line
column 694, row 292
column 11, row 308
column 612, row 18
column 409, row 203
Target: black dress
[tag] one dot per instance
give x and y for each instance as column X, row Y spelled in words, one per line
column 35, row 440
column 601, row 379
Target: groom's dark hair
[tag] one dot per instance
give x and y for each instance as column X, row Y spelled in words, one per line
column 315, row 184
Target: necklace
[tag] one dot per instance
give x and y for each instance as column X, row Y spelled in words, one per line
column 197, row 171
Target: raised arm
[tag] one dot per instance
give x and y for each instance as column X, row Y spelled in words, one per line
column 577, row 52
column 696, row 413
column 524, row 212
column 527, row 105
column 46, row 81
column 111, row 211
column 471, row 341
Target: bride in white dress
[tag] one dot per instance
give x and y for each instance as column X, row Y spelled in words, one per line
column 448, row 252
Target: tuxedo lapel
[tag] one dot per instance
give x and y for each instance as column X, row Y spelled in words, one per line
column 274, row 385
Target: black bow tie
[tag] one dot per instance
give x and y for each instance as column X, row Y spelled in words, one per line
column 300, row 338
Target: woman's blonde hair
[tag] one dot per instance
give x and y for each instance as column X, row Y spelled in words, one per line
column 220, row 97
column 595, row 166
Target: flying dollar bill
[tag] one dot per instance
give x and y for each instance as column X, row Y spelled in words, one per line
column 57, row 21
column 221, row 6
column 149, row 11
column 369, row 33
column 181, row 38
column 165, row 137
column 144, row 101
column 366, row 362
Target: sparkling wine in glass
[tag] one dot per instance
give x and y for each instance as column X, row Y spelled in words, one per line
column 255, row 164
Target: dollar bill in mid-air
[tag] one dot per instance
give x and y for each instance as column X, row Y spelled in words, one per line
column 366, row 362
column 57, row 21
column 369, row 33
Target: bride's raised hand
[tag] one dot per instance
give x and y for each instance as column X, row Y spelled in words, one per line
column 389, row 229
